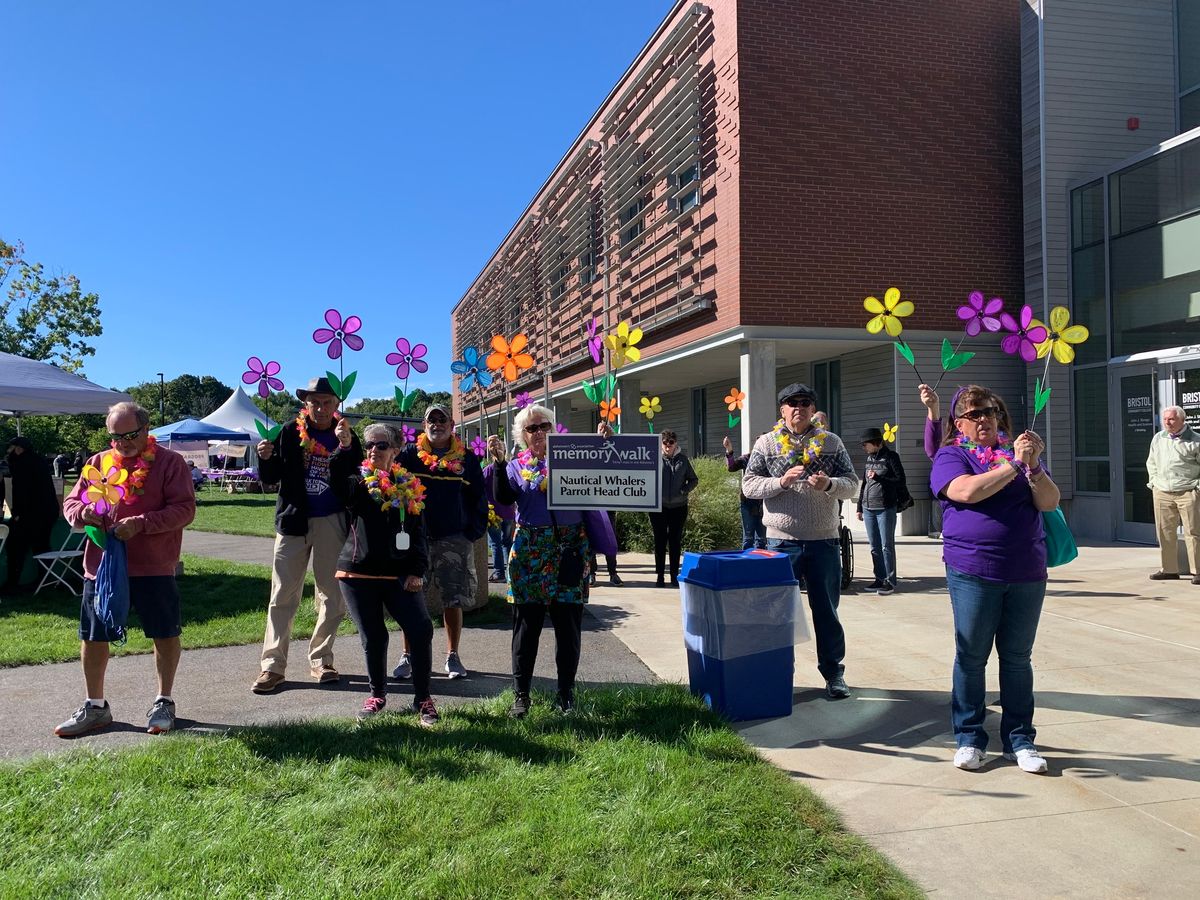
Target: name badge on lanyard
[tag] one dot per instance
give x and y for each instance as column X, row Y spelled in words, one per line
column 402, row 540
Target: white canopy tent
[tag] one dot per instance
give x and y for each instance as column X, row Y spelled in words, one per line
column 29, row 387
column 239, row 413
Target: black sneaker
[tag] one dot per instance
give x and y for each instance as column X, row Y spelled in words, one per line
column 885, row 589
column 660, row 582
column 1165, row 576
column 615, row 580
column 565, row 704
column 835, row 688
column 875, row 585
column 427, row 714
column 520, row 707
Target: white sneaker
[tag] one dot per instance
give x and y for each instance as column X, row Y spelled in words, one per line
column 969, row 758
column 403, row 671
column 454, row 666
column 1029, row 761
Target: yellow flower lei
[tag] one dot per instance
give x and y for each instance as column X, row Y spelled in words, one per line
column 394, row 489
column 450, row 461
column 493, row 517
column 805, row 454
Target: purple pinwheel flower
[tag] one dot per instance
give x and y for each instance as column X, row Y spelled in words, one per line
column 522, row 399
column 409, row 356
column 479, row 446
column 979, row 315
column 595, row 341
column 561, row 428
column 263, row 376
column 469, row 368
column 339, row 332
column 408, row 434
column 1023, row 339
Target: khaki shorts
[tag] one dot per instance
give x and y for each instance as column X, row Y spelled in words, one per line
column 452, row 568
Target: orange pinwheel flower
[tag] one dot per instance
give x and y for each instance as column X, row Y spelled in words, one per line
column 734, row 399
column 609, row 410
column 509, row 356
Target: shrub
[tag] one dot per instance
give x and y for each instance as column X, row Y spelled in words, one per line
column 714, row 518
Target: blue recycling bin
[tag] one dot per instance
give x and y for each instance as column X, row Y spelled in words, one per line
column 742, row 616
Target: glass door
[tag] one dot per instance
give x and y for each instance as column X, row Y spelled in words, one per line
column 1135, row 388
column 1186, row 381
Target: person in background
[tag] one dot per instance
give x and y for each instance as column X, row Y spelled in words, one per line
column 35, row 509
column 877, row 504
column 802, row 473
column 62, row 463
column 610, row 559
column 500, row 535
column 754, row 532
column 678, row 480
column 993, row 491
column 821, row 420
column 198, row 477
column 1174, row 469
column 80, row 458
column 383, row 562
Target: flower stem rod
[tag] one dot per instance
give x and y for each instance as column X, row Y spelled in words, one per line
column 957, row 347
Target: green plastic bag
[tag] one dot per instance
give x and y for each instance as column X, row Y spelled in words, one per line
column 1060, row 543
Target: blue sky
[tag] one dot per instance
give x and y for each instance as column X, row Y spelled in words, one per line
column 222, row 173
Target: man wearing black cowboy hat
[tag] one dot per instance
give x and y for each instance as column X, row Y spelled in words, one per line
column 309, row 521
column 800, row 472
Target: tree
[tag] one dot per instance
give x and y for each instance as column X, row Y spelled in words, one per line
column 185, row 397
column 280, row 406
column 422, row 400
column 42, row 317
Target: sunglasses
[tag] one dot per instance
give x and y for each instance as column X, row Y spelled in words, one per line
column 668, row 443
column 437, row 420
column 376, row 445
column 799, row 402
column 127, row 436
column 540, row 426
column 984, row 412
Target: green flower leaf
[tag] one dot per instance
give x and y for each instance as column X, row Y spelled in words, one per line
column 347, row 386
column 96, row 535
column 400, row 399
column 947, row 354
column 335, row 383
column 1041, row 396
column 610, row 386
column 734, row 420
column 589, row 391
column 906, row 351
column 267, row 434
column 958, row 360
column 650, row 425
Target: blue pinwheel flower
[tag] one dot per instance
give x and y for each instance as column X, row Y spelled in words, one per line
column 468, row 367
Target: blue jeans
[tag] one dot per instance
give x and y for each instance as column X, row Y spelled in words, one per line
column 881, row 532
column 501, row 537
column 818, row 564
column 987, row 612
column 754, row 532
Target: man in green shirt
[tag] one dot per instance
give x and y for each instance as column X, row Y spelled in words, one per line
column 1174, row 469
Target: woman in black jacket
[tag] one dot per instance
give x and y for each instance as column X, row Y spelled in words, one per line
column 383, row 562
column 878, row 500
column 678, row 480
column 35, row 507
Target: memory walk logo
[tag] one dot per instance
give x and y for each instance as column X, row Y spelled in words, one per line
column 606, row 454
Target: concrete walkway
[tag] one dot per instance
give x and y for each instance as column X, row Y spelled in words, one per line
column 1118, row 688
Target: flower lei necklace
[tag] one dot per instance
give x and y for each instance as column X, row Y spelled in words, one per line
column 308, row 444
column 533, row 470
column 141, row 469
column 992, row 457
column 396, row 488
column 451, row 460
column 797, row 451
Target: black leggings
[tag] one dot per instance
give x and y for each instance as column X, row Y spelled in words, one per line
column 668, row 533
column 528, row 619
column 367, row 598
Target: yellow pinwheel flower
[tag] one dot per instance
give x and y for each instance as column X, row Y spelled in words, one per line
column 105, row 485
column 650, row 406
column 889, row 432
column 622, row 345
column 888, row 313
column 1061, row 336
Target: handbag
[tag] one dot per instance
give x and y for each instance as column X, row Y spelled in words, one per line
column 904, row 499
column 570, row 562
column 111, row 599
column 1060, row 543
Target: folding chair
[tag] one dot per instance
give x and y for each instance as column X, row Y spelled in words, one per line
column 60, row 563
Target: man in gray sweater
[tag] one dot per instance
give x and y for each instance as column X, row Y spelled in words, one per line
column 801, row 472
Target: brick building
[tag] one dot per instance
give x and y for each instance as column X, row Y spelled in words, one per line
column 760, row 168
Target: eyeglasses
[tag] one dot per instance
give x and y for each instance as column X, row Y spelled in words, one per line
column 984, row 412
column 799, row 402
column 668, row 443
column 539, row 426
column 376, row 445
column 437, row 419
column 126, row 436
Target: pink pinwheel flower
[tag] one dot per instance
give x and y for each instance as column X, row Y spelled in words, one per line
column 979, row 315
column 595, row 341
column 522, row 399
column 409, row 356
column 561, row 428
column 408, row 434
column 263, row 376
column 339, row 332
column 1024, row 339
column 479, row 446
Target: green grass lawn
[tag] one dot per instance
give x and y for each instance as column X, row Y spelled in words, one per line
column 252, row 514
column 224, row 603
column 643, row 794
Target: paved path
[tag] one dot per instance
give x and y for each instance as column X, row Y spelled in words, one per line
column 1118, row 687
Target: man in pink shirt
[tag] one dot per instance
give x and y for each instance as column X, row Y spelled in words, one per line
column 158, row 504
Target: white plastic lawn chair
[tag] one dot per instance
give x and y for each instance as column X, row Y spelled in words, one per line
column 66, row 561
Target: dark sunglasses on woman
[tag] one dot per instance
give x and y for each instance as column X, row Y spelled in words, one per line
column 540, row 426
column 984, row 412
column 376, row 445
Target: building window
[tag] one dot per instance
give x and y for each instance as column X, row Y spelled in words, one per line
column 1091, row 429
column 632, row 232
column 827, row 384
column 688, row 175
column 699, row 418
column 689, row 201
column 1189, row 63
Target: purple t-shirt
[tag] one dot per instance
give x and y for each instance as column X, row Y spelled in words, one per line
column 998, row 539
column 321, row 499
column 531, row 505
column 506, row 511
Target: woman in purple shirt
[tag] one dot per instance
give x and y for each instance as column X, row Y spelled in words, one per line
column 536, row 573
column 993, row 492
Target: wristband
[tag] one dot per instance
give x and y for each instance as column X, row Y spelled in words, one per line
column 1029, row 473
